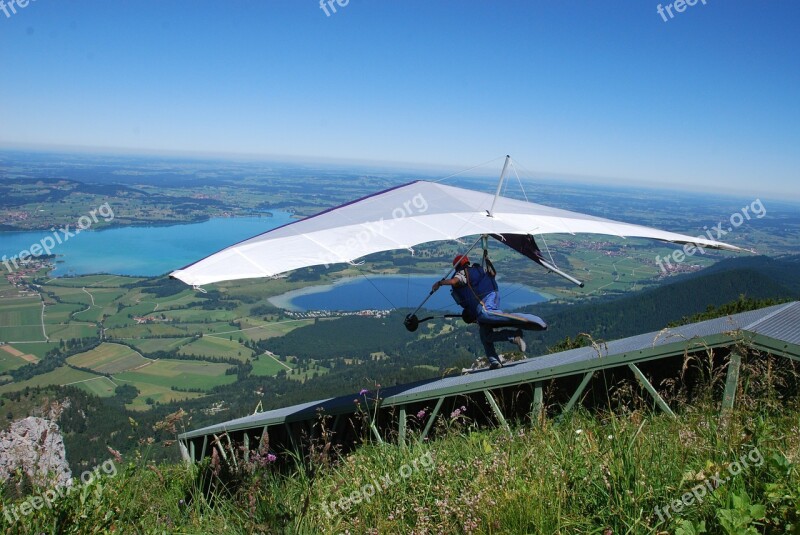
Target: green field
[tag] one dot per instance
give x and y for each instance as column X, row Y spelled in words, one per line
column 151, row 345
column 104, row 281
column 71, row 330
column 60, row 376
column 10, row 362
column 71, row 295
column 193, row 315
column 256, row 329
column 109, row 358
column 146, row 331
column 100, row 386
column 21, row 319
column 156, row 393
column 267, row 366
column 180, row 373
column 211, row 346
column 39, row 349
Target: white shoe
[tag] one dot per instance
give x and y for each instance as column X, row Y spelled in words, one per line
column 519, row 342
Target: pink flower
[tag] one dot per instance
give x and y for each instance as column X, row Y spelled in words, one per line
column 421, row 414
column 117, row 455
column 363, row 392
column 271, row 457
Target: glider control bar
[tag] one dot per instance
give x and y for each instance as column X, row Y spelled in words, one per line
column 526, row 245
column 412, row 321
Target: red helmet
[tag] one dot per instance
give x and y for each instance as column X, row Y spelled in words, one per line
column 460, row 260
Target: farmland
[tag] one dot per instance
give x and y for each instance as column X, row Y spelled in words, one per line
column 109, row 359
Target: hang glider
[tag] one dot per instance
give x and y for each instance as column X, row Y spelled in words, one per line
column 402, row 218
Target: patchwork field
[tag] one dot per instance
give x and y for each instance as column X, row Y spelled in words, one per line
column 38, row 349
column 151, row 345
column 109, row 358
column 256, row 329
column 180, row 373
column 212, row 346
column 21, row 319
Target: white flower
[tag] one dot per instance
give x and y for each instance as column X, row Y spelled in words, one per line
column 578, row 431
column 610, row 437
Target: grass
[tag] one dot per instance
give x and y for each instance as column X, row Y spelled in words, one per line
column 212, row 346
column 591, row 474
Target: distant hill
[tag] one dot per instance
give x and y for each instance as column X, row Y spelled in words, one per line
column 755, row 278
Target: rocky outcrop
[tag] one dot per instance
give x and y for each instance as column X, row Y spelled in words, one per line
column 34, row 446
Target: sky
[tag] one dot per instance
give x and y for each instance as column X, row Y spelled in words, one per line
column 706, row 98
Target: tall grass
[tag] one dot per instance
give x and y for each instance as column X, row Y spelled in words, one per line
column 622, row 471
column 590, row 473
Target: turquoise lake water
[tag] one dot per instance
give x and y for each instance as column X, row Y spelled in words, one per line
column 147, row 251
column 152, row 251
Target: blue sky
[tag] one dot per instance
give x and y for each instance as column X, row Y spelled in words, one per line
column 601, row 89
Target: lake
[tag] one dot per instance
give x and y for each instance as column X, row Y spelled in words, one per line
column 146, row 251
column 157, row 250
column 392, row 291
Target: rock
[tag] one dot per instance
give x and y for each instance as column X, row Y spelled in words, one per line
column 35, row 446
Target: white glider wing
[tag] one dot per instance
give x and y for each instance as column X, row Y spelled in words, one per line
column 400, row 218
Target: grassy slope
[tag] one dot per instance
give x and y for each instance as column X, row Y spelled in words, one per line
column 590, row 474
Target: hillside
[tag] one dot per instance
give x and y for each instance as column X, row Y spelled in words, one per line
column 219, row 376
column 606, row 473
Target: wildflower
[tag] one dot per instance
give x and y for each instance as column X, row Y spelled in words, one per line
column 421, row 414
column 610, row 437
column 363, row 392
column 578, row 431
column 271, row 457
column 456, row 413
column 117, row 455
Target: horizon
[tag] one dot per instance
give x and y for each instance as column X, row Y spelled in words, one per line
column 578, row 89
column 400, row 167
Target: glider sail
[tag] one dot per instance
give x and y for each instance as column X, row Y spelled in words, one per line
column 401, row 218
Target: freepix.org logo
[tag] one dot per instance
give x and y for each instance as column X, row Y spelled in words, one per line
column 355, row 245
column 9, row 7
column 60, row 235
